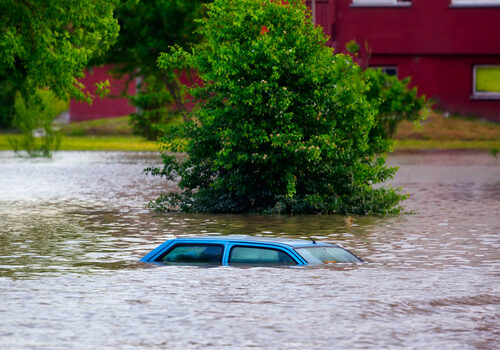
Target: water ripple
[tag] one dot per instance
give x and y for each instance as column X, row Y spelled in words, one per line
column 74, row 227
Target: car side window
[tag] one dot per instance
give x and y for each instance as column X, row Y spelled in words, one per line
column 186, row 253
column 240, row 255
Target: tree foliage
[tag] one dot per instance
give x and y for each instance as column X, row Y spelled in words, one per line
column 282, row 124
column 147, row 28
column 394, row 99
column 47, row 44
column 35, row 116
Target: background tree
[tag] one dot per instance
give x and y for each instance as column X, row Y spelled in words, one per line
column 47, row 44
column 37, row 118
column 282, row 123
column 147, row 28
column 395, row 101
column 393, row 98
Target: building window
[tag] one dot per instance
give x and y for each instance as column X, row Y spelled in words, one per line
column 474, row 3
column 486, row 82
column 389, row 70
column 382, row 3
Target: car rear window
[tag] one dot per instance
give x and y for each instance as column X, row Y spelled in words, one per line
column 185, row 253
column 327, row 255
column 240, row 255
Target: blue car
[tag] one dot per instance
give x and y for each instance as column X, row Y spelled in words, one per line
column 247, row 251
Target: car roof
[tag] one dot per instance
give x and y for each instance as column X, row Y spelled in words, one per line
column 293, row 242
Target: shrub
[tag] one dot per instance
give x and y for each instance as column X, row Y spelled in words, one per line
column 395, row 101
column 282, row 124
column 153, row 102
column 35, row 116
column 8, row 91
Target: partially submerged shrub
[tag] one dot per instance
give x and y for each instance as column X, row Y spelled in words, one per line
column 282, row 124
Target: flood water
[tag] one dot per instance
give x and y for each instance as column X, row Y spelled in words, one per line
column 73, row 228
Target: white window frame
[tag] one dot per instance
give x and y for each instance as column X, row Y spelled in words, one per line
column 383, row 68
column 483, row 95
column 381, row 3
column 375, row 2
column 475, row 3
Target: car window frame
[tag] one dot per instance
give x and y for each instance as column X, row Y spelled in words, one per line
column 153, row 255
column 159, row 257
column 299, row 261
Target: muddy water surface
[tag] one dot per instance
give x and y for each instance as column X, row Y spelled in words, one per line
column 72, row 229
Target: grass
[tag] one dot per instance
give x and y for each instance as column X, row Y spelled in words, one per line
column 95, row 143
column 104, row 127
column 448, row 133
column 437, row 132
column 412, row 144
column 108, row 143
column 110, row 134
column 437, row 127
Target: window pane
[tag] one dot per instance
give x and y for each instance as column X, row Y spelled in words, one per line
column 194, row 254
column 259, row 256
column 374, row 1
column 476, row 2
column 380, row 2
column 488, row 79
column 327, row 255
column 389, row 70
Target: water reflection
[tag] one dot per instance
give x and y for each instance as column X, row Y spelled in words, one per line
column 73, row 228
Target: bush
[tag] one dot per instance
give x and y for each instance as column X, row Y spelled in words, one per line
column 282, row 125
column 35, row 116
column 154, row 104
column 395, row 101
column 8, row 91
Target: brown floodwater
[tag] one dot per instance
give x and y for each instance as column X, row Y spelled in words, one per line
column 73, row 228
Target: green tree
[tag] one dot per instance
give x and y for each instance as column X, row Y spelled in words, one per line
column 393, row 98
column 147, row 28
column 37, row 118
column 395, row 101
column 47, row 44
column 282, row 123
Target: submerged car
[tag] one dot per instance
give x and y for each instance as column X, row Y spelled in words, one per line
column 247, row 251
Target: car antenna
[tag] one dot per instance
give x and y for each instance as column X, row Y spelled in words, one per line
column 314, row 242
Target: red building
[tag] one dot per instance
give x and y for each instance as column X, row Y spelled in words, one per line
column 450, row 48
column 102, row 107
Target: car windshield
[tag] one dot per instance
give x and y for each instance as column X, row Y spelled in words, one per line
column 329, row 254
